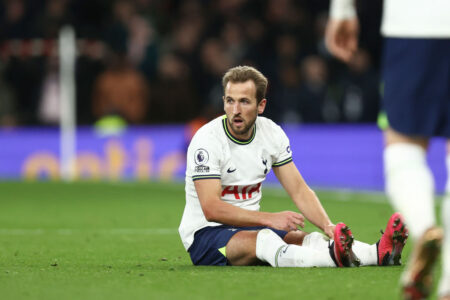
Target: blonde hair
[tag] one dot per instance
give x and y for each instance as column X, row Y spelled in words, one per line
column 244, row 73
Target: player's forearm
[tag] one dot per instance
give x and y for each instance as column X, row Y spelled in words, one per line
column 309, row 205
column 225, row 213
column 342, row 9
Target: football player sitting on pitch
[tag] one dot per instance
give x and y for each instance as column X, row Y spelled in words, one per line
column 227, row 161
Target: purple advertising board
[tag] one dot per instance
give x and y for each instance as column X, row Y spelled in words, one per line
column 328, row 156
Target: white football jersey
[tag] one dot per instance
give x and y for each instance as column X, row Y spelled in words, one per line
column 405, row 18
column 416, row 18
column 240, row 165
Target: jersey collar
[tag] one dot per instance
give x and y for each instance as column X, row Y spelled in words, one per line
column 234, row 139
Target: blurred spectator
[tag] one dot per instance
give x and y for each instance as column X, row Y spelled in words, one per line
column 121, row 90
column 183, row 48
column 319, row 30
column 88, row 67
column 49, row 104
column 188, row 29
column 24, row 76
column 184, row 41
column 288, row 94
column 314, row 90
column 215, row 61
column 116, row 33
column 283, row 15
column 173, row 96
column 15, row 23
column 7, row 109
column 131, row 34
column 288, row 50
column 258, row 44
column 360, row 84
column 235, row 45
column 54, row 16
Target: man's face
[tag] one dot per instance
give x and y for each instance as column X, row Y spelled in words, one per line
column 241, row 107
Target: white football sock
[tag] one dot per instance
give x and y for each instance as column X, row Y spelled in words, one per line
column 444, row 286
column 272, row 249
column 316, row 241
column 267, row 245
column 366, row 253
column 410, row 186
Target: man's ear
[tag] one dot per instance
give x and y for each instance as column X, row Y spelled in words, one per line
column 262, row 106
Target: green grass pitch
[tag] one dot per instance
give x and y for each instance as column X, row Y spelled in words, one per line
column 120, row 241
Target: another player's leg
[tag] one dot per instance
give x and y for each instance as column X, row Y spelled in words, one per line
column 444, row 286
column 409, row 182
column 410, row 186
column 417, row 278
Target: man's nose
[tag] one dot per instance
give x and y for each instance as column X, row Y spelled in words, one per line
column 236, row 108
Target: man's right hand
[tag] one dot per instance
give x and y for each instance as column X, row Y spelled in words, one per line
column 341, row 37
column 286, row 220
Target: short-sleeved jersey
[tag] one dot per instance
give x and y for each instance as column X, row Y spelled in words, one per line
column 405, row 18
column 241, row 166
column 416, row 18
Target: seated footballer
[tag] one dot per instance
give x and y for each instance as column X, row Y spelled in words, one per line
column 227, row 161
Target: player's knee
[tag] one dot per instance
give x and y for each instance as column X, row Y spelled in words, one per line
column 394, row 137
column 313, row 238
column 295, row 237
column 240, row 249
column 314, row 235
column 265, row 231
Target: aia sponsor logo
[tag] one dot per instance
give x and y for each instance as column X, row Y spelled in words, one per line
column 241, row 192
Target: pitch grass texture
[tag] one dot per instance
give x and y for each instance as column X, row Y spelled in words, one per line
column 120, row 241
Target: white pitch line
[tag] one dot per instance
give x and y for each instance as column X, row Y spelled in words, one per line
column 70, row 231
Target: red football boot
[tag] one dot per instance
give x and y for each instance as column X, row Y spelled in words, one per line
column 391, row 244
column 342, row 252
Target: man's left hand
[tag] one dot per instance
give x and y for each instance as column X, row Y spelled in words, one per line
column 329, row 230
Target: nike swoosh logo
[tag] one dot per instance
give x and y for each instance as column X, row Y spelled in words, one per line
column 230, row 171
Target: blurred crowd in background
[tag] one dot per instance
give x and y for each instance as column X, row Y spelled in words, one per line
column 161, row 61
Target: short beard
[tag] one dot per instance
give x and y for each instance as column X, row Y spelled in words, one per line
column 244, row 130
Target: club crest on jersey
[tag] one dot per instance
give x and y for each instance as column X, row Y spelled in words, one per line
column 201, row 157
column 264, row 161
